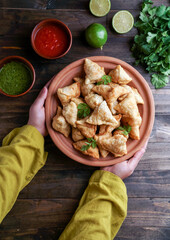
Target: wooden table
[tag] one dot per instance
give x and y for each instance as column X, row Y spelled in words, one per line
column 45, row 206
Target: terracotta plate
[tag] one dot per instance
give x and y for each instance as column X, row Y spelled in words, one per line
column 65, row 77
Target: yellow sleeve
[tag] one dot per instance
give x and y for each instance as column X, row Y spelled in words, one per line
column 21, row 156
column 101, row 211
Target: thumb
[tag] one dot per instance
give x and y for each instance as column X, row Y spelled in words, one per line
column 41, row 97
column 136, row 158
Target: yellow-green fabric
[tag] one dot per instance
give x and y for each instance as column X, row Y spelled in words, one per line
column 21, row 156
column 101, row 211
column 102, row 208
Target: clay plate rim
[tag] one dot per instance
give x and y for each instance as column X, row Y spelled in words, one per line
column 148, row 112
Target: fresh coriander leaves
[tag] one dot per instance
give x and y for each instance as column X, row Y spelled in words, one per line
column 152, row 45
column 159, row 80
column 106, row 80
column 83, row 110
column 126, row 129
column 91, row 143
column 85, row 147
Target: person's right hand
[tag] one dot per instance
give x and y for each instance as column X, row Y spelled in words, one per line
column 126, row 168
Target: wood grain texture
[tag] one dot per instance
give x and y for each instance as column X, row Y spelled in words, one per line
column 154, row 213
column 52, row 233
column 12, row 35
column 49, row 184
column 73, row 4
column 43, row 209
column 34, row 4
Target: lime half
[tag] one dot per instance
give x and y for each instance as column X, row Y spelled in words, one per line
column 99, row 8
column 122, row 21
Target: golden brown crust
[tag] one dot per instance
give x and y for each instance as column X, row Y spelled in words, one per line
column 93, row 71
column 102, row 115
column 93, row 100
column 70, row 113
column 120, row 76
column 87, row 130
column 65, row 94
column 93, row 152
column 60, row 124
column 116, row 145
column 76, row 135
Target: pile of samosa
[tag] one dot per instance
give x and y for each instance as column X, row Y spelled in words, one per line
column 112, row 104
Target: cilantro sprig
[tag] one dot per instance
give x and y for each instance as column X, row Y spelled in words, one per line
column 83, row 110
column 91, row 143
column 126, row 129
column 106, row 80
column 152, row 45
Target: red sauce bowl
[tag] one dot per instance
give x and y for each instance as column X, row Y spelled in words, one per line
column 28, row 65
column 51, row 39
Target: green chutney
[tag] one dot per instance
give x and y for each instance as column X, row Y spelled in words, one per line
column 15, row 78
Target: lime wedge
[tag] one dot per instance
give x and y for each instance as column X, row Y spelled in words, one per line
column 99, row 8
column 122, row 21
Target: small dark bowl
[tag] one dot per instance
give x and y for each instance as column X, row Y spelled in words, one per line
column 58, row 23
column 26, row 63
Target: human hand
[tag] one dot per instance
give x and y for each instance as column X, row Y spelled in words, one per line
column 126, row 168
column 37, row 112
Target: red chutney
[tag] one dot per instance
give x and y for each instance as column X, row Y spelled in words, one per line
column 51, row 41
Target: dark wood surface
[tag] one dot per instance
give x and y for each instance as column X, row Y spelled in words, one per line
column 46, row 205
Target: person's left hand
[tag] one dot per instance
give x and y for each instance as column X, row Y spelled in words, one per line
column 37, row 112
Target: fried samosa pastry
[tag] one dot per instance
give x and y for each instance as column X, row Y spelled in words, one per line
column 102, row 115
column 138, row 97
column 120, row 132
column 119, row 76
column 76, row 135
column 135, row 133
column 110, row 93
column 103, row 152
column 70, row 113
column 99, row 138
column 111, row 106
column 115, row 92
column 135, row 123
column 102, row 90
column 60, row 124
column 77, row 101
column 93, row 71
column 93, row 152
column 85, row 88
column 128, row 106
column 65, row 94
column 104, row 129
column 113, row 95
column 87, row 130
column 78, row 79
column 116, row 145
column 93, row 100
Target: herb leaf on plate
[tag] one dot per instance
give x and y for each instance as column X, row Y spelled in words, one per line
column 152, row 44
column 83, row 110
column 91, row 143
column 106, row 79
column 126, row 129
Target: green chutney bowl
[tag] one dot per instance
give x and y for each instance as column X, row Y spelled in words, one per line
column 28, row 66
